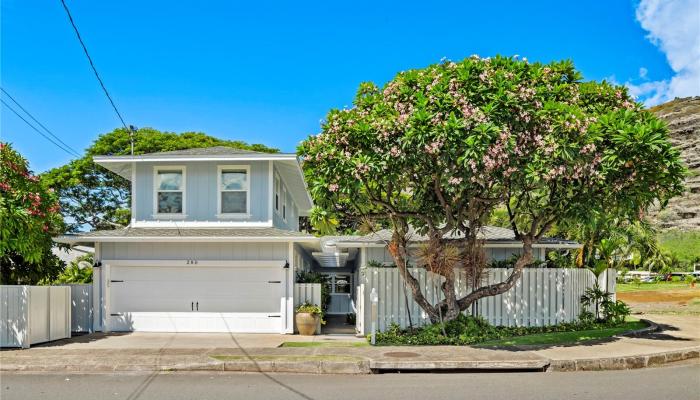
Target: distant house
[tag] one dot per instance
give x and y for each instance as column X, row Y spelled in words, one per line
column 214, row 245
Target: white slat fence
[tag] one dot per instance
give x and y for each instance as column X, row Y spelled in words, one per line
column 34, row 314
column 307, row 292
column 543, row 296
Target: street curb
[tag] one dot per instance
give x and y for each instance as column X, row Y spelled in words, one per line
column 650, row 328
column 433, row 365
column 627, row 362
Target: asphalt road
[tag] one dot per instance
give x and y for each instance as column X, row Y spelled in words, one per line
column 672, row 382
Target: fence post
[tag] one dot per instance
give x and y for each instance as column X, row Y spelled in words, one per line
column 374, row 299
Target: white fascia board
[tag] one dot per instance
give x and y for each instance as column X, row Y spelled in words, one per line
column 242, row 157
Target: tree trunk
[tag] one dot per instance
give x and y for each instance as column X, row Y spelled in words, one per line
column 450, row 308
column 398, row 250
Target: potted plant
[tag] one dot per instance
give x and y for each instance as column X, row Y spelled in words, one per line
column 307, row 318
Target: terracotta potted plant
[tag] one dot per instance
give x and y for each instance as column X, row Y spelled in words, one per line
column 307, row 318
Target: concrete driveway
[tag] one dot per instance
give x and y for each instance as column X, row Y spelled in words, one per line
column 151, row 340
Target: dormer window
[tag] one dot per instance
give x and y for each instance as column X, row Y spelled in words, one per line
column 169, row 184
column 234, row 193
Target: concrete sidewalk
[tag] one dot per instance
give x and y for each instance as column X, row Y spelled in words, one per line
column 678, row 340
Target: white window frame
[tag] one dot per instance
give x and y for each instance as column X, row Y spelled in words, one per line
column 156, row 189
column 219, row 190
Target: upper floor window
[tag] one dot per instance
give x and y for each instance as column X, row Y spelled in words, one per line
column 277, row 192
column 170, row 190
column 234, row 196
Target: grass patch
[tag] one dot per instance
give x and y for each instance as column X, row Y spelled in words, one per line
column 295, row 358
column 559, row 338
column 330, row 343
column 684, row 245
column 654, row 286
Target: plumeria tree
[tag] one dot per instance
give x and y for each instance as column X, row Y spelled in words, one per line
column 436, row 150
column 28, row 218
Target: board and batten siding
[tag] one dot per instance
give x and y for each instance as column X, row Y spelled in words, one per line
column 201, row 190
column 194, row 251
column 543, row 296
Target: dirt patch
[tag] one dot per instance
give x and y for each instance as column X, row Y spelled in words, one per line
column 676, row 301
column 658, row 296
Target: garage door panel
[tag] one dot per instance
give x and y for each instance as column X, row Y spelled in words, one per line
column 192, row 322
column 197, row 274
column 231, row 299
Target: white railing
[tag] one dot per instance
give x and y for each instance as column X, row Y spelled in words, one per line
column 34, row 314
column 543, row 296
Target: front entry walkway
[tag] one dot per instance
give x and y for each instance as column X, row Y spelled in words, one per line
column 337, row 325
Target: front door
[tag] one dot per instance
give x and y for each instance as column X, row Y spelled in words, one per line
column 340, row 287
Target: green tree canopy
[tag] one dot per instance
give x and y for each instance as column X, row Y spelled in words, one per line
column 90, row 195
column 439, row 148
column 28, row 219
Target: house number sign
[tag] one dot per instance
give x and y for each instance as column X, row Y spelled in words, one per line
column 191, row 262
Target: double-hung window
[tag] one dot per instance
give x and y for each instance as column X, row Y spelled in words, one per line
column 234, row 194
column 169, row 191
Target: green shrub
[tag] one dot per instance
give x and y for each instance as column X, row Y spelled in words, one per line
column 312, row 309
column 689, row 279
column 615, row 312
column 467, row 330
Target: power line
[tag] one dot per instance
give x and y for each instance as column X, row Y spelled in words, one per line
column 37, row 130
column 94, row 69
column 77, row 153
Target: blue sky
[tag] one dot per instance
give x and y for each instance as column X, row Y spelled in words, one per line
column 267, row 72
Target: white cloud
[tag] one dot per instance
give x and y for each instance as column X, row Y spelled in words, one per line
column 673, row 26
column 643, row 72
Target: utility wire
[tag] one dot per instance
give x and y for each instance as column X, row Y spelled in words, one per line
column 94, row 69
column 66, row 145
column 37, row 130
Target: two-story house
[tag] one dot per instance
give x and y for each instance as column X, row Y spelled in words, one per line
column 214, row 244
column 211, row 247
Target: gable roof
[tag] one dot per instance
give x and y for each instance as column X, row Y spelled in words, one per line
column 206, row 151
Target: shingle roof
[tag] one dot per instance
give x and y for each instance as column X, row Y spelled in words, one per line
column 204, row 151
column 487, row 233
column 141, row 233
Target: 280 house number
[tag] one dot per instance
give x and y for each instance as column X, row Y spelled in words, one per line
column 191, row 262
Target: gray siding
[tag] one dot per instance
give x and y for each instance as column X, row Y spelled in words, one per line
column 292, row 222
column 198, row 251
column 201, row 190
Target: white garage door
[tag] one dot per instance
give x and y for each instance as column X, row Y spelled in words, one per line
column 196, row 299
